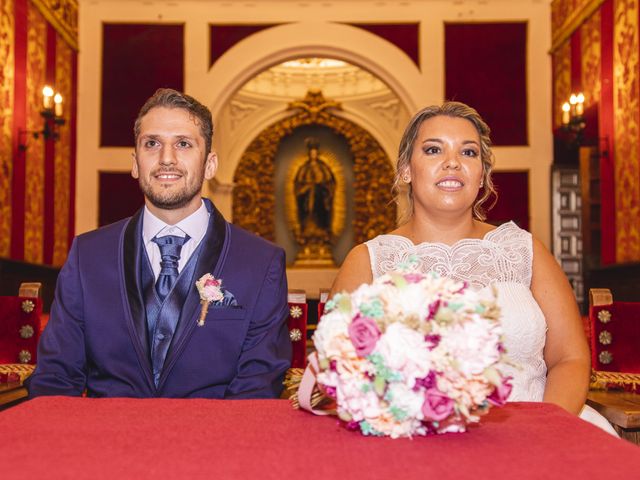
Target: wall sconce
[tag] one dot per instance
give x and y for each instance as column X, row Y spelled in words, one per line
column 52, row 114
column 573, row 116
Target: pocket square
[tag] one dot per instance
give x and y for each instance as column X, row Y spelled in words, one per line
column 228, row 300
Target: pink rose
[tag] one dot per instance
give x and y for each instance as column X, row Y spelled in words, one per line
column 499, row 396
column 437, row 406
column 364, row 334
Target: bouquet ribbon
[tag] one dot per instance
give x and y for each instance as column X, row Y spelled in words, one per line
column 307, row 385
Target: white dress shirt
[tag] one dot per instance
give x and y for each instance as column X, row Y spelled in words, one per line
column 195, row 225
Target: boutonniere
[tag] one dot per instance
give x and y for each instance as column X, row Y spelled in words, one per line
column 210, row 290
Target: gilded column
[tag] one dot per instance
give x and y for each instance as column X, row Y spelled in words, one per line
column 7, row 19
column 626, row 120
column 62, row 159
column 34, row 181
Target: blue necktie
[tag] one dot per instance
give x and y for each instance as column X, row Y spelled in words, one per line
column 170, row 246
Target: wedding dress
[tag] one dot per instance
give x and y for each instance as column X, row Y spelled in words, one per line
column 501, row 260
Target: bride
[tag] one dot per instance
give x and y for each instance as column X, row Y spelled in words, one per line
column 444, row 167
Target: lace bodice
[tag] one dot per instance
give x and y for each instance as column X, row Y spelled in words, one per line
column 502, row 259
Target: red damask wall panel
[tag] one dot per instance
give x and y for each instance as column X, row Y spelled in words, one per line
column 137, row 59
column 485, row 67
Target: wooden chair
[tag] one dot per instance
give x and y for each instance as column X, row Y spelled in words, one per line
column 20, row 327
column 615, row 362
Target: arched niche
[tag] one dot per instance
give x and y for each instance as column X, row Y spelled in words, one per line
column 254, row 189
column 304, row 39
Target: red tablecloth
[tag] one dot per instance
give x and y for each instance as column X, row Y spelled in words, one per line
column 124, row 438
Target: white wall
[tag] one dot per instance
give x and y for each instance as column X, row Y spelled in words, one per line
column 317, row 37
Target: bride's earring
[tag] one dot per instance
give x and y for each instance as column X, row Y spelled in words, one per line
column 406, row 179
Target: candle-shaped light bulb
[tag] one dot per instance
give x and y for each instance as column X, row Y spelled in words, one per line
column 573, row 99
column 579, row 104
column 565, row 113
column 47, row 96
column 57, row 99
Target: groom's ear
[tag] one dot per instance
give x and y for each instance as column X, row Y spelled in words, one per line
column 134, row 167
column 211, row 166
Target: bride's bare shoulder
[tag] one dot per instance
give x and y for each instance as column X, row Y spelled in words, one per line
column 355, row 270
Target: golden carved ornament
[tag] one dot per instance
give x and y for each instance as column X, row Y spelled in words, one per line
column 63, row 16
column 605, row 337
column 567, row 16
column 604, row 316
column 27, row 306
column 295, row 335
column 24, row 356
column 605, row 357
column 26, row 331
column 254, row 191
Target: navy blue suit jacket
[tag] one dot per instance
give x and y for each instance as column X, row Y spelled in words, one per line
column 96, row 338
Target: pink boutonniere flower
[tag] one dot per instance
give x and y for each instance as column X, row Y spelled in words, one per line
column 210, row 290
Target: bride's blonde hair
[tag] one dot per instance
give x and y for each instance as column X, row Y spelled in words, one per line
column 455, row 110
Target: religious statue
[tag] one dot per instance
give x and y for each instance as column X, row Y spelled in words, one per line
column 314, row 188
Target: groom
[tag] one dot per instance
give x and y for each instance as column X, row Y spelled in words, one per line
column 125, row 319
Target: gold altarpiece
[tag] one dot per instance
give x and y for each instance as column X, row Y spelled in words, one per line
column 255, row 189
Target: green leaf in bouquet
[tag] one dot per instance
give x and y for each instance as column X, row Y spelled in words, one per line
column 444, row 315
column 399, row 414
column 455, row 306
column 398, row 280
column 493, row 376
column 324, row 363
column 343, row 303
column 372, row 309
column 367, row 429
column 345, row 416
column 379, row 385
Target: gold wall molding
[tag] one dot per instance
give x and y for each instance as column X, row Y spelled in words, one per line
column 626, row 111
column 7, row 67
column 567, row 16
column 63, row 16
column 254, row 191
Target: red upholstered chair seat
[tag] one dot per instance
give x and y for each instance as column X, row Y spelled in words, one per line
column 298, row 314
column 615, row 340
column 20, row 327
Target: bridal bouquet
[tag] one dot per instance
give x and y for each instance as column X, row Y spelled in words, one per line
column 411, row 354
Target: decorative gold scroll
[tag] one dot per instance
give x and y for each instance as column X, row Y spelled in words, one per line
column 626, row 119
column 561, row 81
column 62, row 159
column 590, row 43
column 34, row 172
column 7, row 19
column 254, row 191
column 63, row 16
column 567, row 16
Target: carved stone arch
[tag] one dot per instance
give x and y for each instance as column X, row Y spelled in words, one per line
column 254, row 190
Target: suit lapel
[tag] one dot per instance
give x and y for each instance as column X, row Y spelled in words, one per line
column 210, row 259
column 130, row 267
